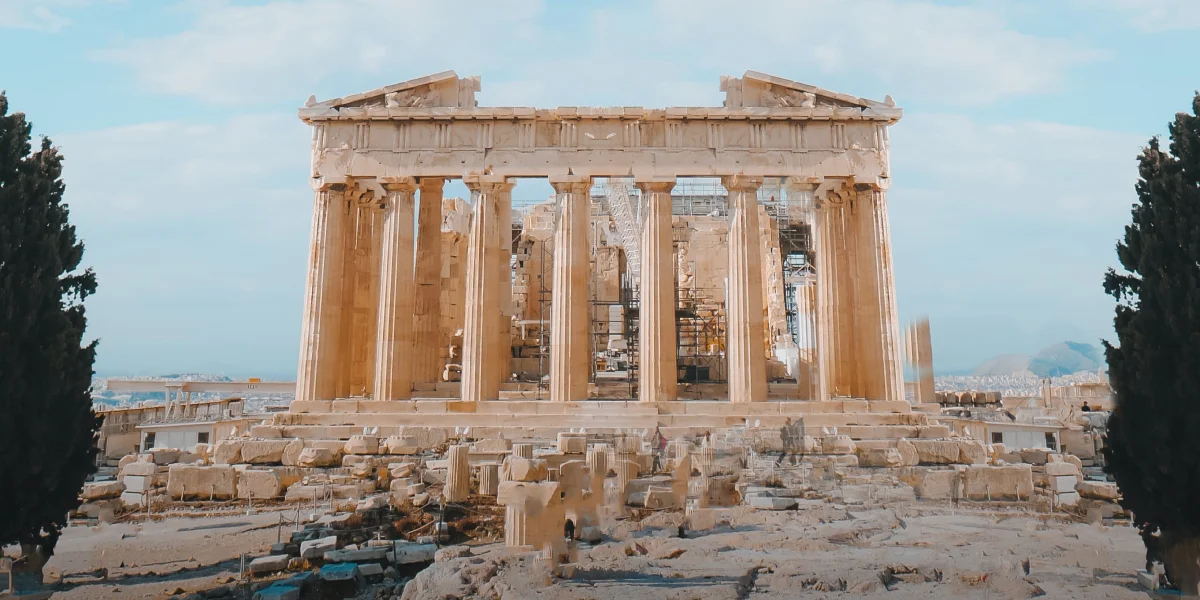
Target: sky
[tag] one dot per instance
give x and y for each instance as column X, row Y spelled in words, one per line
column 186, row 166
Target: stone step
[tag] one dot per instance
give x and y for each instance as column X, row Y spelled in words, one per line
column 525, row 407
column 534, row 430
column 810, row 423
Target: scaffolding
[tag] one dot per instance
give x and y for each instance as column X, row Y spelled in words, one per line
column 700, row 330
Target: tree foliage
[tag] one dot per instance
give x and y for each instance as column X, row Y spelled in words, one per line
column 47, row 427
column 1153, row 448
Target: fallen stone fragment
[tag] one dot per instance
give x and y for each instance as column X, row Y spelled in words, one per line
column 269, row 564
column 407, row 553
column 318, row 547
column 1098, row 490
column 362, row 555
column 102, row 490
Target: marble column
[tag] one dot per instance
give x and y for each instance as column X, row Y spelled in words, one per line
column 346, row 347
column 922, row 359
column 831, row 321
column 868, row 338
column 367, row 295
column 892, row 363
column 569, row 322
column 522, row 451
column 802, row 192
column 458, row 474
column 502, row 257
column 657, row 371
column 514, row 525
column 489, row 479
column 597, row 462
column 394, row 332
column 747, row 363
column 322, row 297
column 480, row 379
column 427, row 333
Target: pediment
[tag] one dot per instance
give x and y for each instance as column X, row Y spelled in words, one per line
column 756, row 89
column 445, row 89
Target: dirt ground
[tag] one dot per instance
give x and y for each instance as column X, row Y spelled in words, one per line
column 820, row 551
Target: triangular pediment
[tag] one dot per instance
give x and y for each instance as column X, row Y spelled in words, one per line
column 756, row 89
column 445, row 89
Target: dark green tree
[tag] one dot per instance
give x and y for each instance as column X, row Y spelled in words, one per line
column 1153, row 448
column 47, row 427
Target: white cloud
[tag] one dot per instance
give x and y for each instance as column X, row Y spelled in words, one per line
column 40, row 15
column 1002, row 231
column 286, row 50
column 235, row 53
column 1152, row 16
column 965, row 54
column 197, row 234
column 178, row 170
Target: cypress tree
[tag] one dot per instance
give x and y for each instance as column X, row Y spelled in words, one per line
column 1153, row 448
column 47, row 426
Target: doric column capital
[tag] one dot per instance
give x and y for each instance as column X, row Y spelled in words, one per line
column 325, row 184
column 801, row 184
column 874, row 184
column 831, row 191
column 655, row 185
column 330, row 188
column 399, row 184
column 431, row 183
column 488, row 184
column 832, row 198
column 741, row 183
column 571, row 184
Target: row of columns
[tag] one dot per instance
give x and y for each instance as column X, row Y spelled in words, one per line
column 371, row 309
column 366, row 261
column 858, row 335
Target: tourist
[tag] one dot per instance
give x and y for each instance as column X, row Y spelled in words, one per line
column 1085, row 407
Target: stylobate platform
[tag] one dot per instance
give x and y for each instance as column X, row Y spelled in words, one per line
column 529, row 419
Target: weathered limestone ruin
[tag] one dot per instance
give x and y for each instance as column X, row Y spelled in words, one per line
column 766, row 298
column 644, row 352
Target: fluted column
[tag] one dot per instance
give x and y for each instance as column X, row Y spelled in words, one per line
column 802, row 192
column 427, row 279
column 322, row 296
column 502, row 257
column 343, row 387
column 830, row 261
column 747, row 366
column 458, row 474
column 657, row 371
column 569, row 323
column 394, row 333
column 480, row 380
column 893, row 366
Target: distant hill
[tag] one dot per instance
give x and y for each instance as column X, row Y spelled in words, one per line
column 1005, row 364
column 1055, row 360
column 1066, row 358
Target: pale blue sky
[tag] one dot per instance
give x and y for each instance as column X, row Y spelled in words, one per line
column 186, row 166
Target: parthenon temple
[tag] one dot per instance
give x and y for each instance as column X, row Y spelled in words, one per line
column 695, row 265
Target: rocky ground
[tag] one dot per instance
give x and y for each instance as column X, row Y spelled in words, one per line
column 910, row 550
column 153, row 560
column 914, row 551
